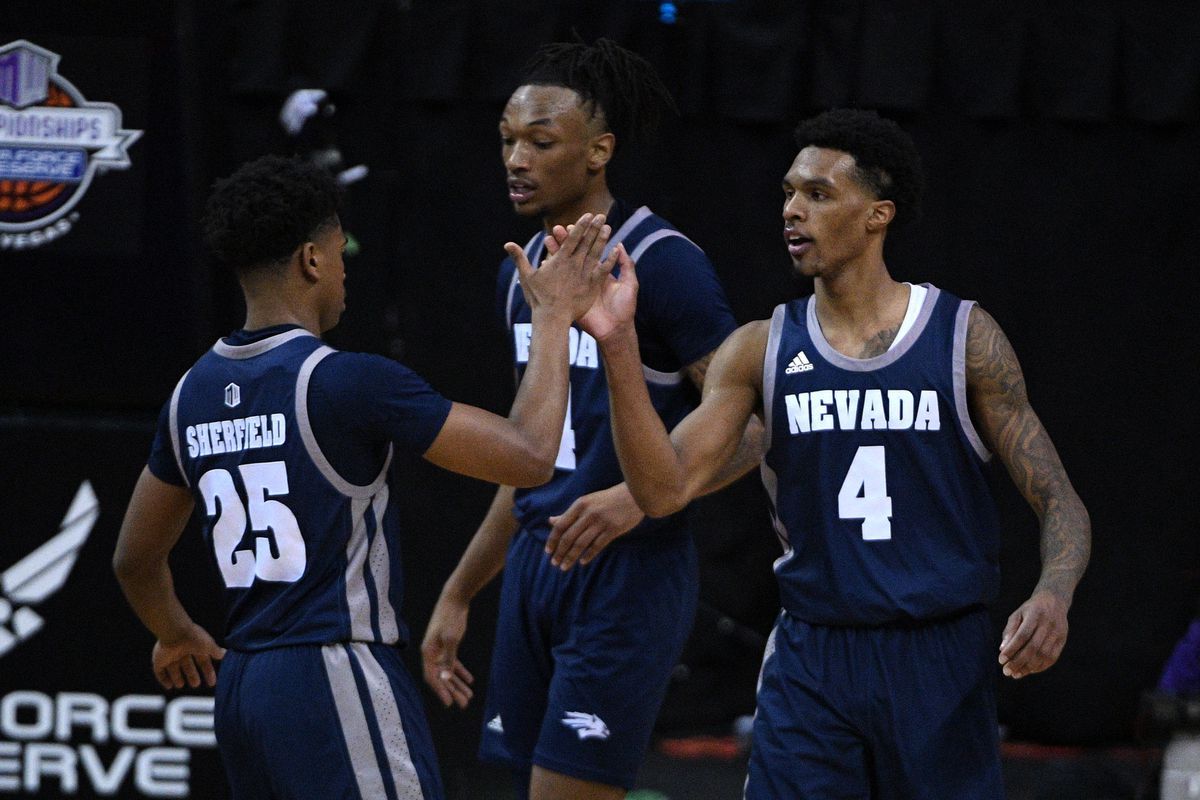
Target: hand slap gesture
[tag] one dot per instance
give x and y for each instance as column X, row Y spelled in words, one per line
column 570, row 279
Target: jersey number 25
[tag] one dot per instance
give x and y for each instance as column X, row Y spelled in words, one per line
column 263, row 482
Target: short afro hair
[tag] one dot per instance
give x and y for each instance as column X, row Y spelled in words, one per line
column 260, row 214
column 885, row 157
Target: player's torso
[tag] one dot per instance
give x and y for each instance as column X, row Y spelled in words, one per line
column 875, row 472
column 305, row 557
column 587, row 461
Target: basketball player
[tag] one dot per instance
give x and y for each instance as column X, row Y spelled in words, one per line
column 881, row 402
column 582, row 657
column 285, row 447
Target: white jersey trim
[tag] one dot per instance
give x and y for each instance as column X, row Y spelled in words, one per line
column 173, row 425
column 253, row 349
column 310, row 438
column 961, row 324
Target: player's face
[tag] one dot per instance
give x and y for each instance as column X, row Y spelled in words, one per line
column 545, row 138
column 825, row 211
column 330, row 251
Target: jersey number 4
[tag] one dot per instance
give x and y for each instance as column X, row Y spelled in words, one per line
column 268, row 518
column 864, row 493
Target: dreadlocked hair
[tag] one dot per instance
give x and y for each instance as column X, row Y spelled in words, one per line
column 619, row 85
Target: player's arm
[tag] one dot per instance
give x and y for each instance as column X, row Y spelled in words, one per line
column 480, row 563
column 1036, row 632
column 595, row 520
column 520, row 450
column 157, row 514
column 666, row 472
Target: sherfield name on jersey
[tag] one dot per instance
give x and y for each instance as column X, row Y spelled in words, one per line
column 838, row 409
column 235, row 435
column 582, row 350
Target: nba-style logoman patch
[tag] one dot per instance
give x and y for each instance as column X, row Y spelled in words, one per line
column 52, row 143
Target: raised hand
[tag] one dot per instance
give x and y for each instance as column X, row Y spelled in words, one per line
column 446, row 675
column 571, row 277
column 617, row 301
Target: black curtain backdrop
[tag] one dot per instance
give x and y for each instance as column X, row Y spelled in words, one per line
column 1061, row 143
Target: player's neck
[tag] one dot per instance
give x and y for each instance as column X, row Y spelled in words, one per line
column 859, row 299
column 267, row 313
column 598, row 200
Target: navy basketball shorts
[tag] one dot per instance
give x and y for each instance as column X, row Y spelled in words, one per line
column 583, row 658
column 903, row 713
column 339, row 721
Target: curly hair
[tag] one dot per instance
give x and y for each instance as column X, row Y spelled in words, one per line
column 260, row 214
column 885, row 157
column 619, row 85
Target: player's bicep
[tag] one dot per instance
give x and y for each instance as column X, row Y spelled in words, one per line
column 483, row 445
column 156, row 516
column 1001, row 411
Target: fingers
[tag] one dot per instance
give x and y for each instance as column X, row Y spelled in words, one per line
column 627, row 265
column 1016, row 634
column 1036, row 642
column 524, row 268
column 457, row 682
column 611, row 260
column 575, row 547
column 208, row 670
column 554, row 240
column 577, row 234
column 561, row 524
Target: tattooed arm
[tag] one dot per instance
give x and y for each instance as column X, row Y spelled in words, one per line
column 1036, row 632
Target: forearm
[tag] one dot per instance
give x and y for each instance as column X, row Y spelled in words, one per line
column 150, row 590
column 1066, row 545
column 748, row 456
column 651, row 466
column 484, row 557
column 541, row 402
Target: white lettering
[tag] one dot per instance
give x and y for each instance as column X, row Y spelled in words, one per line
column 163, row 772
column 846, row 401
column 278, row 429
column 106, row 781
column 253, row 433
column 75, row 708
column 190, row 722
column 214, row 434
column 522, row 335
column 588, row 355
column 193, row 446
column 43, row 711
column 50, row 759
column 900, row 409
column 205, row 444
column 928, row 415
column 10, row 766
column 121, row 708
column 821, row 419
column 873, row 417
column 229, row 437
column 239, row 433
column 797, row 410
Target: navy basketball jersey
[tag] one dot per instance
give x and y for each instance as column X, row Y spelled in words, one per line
column 306, row 556
column 875, row 472
column 682, row 316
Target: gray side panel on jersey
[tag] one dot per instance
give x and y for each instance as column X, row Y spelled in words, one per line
column 310, row 439
column 173, row 424
column 884, row 359
column 961, row 324
column 356, row 731
column 769, row 478
column 381, row 571
column 391, row 726
column 253, row 349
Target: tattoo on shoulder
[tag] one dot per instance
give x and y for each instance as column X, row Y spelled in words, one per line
column 878, row 344
column 992, row 366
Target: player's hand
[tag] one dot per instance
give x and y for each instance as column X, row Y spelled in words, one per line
column 590, row 524
column 444, row 673
column 1034, row 636
column 617, row 302
column 571, row 277
column 186, row 659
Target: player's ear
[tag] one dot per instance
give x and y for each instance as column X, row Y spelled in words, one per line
column 600, row 150
column 310, row 265
column 880, row 215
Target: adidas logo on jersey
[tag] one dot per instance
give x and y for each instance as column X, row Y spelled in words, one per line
column 495, row 725
column 588, row 726
column 799, row 364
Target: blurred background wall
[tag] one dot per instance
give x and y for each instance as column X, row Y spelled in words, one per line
column 1061, row 141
